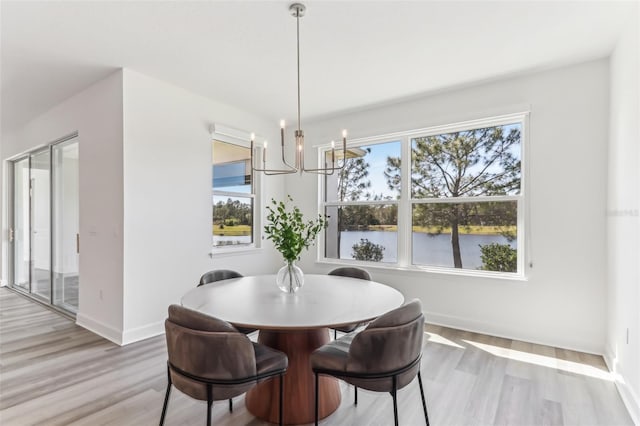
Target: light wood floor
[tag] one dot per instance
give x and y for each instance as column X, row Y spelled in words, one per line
column 53, row 372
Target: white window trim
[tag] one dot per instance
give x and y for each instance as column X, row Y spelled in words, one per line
column 227, row 134
column 405, row 202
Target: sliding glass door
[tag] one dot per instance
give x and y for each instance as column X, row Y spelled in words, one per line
column 41, row 224
column 20, row 232
column 44, row 230
column 66, row 240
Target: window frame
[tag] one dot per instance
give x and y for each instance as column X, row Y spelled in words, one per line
column 405, row 202
column 240, row 138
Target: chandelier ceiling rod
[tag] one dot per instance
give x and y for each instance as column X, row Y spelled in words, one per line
column 297, row 11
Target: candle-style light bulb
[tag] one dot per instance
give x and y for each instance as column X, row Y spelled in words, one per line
column 333, row 144
column 265, row 144
column 282, row 124
column 344, row 133
column 253, row 137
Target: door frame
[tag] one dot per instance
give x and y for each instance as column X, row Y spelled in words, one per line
column 11, row 220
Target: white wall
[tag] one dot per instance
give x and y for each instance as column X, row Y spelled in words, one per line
column 623, row 219
column 145, row 197
column 561, row 303
column 96, row 114
column 167, row 198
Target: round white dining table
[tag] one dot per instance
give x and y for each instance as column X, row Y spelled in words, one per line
column 296, row 324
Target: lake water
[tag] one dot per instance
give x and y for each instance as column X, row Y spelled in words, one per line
column 428, row 250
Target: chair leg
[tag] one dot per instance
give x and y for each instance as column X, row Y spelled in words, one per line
column 230, row 405
column 316, row 406
column 424, row 404
column 355, row 395
column 395, row 401
column 280, row 401
column 209, row 402
column 166, row 397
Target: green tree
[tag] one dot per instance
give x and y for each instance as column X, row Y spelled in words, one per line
column 352, row 185
column 232, row 213
column 353, row 179
column 366, row 250
column 461, row 164
column 499, row 257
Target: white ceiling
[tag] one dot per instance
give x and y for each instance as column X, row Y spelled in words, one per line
column 353, row 53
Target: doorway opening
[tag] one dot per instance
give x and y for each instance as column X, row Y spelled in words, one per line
column 44, row 231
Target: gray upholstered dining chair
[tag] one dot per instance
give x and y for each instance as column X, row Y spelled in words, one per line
column 351, row 272
column 219, row 275
column 384, row 357
column 210, row 360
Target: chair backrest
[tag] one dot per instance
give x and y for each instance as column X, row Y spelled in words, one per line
column 218, row 275
column 207, row 347
column 389, row 343
column 351, row 272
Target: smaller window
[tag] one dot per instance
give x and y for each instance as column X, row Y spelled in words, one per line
column 232, row 195
column 362, row 207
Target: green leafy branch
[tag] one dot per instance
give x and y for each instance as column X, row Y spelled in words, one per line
column 289, row 231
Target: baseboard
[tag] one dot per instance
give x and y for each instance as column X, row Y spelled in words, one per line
column 141, row 333
column 99, row 328
column 120, row 337
column 629, row 397
column 499, row 330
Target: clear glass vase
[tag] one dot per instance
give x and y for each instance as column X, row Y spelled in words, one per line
column 290, row 278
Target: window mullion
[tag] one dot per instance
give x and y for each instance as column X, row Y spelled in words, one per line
column 404, row 206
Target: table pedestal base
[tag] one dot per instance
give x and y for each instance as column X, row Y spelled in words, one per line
column 299, row 386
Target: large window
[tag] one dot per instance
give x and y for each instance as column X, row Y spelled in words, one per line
column 448, row 197
column 232, row 196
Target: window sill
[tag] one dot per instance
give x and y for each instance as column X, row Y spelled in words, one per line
column 233, row 251
column 429, row 270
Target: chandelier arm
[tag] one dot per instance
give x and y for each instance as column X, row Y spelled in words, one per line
column 274, row 171
column 326, row 172
column 269, row 172
column 287, row 164
column 284, row 160
column 279, row 172
column 329, row 170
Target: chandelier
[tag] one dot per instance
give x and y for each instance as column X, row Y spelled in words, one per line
column 297, row 11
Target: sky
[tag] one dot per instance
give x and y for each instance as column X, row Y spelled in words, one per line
column 377, row 160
